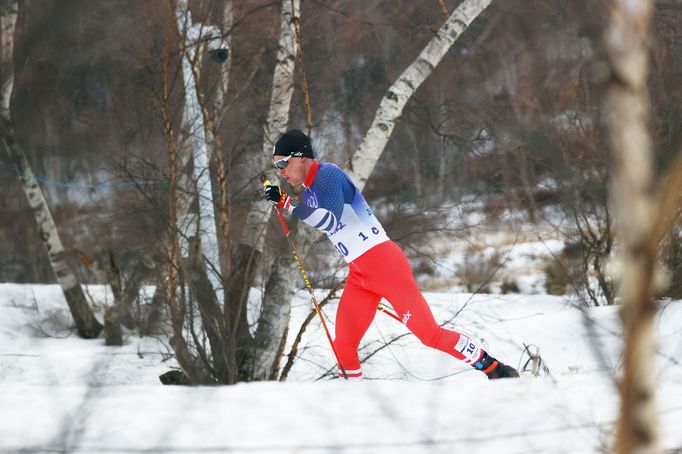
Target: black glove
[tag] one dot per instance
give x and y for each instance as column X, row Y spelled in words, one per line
column 277, row 197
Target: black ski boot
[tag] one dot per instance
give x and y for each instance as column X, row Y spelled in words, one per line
column 495, row 369
column 502, row 371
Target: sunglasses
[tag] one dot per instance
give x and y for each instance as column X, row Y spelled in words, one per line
column 282, row 163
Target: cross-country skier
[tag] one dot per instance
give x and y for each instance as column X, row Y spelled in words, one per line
column 378, row 267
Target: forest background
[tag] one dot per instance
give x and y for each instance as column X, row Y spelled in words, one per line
column 509, row 121
column 511, row 113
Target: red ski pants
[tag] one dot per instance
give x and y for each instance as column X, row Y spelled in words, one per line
column 384, row 271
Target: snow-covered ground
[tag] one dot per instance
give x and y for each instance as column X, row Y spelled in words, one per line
column 65, row 394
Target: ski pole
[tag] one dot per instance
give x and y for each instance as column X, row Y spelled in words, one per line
column 266, row 182
column 385, row 310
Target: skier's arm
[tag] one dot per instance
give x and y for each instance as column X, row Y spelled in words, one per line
column 324, row 207
column 332, row 190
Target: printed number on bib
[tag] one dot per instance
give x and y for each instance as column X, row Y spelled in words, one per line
column 342, row 249
column 468, row 348
column 365, row 237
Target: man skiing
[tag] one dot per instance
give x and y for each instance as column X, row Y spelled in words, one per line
column 378, row 268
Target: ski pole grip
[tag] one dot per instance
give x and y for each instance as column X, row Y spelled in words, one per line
column 266, row 182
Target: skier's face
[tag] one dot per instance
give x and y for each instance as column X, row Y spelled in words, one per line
column 295, row 171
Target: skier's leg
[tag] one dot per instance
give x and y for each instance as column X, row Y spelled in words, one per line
column 355, row 313
column 393, row 279
column 387, row 272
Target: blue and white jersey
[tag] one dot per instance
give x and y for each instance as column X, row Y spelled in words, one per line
column 333, row 204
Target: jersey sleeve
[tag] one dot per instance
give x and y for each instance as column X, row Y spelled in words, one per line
column 322, row 206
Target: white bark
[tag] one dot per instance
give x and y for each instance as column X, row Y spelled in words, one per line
column 634, row 202
column 391, row 108
column 8, row 19
column 199, row 34
column 276, row 307
column 223, row 84
column 213, row 117
column 274, row 319
column 193, row 118
column 278, row 117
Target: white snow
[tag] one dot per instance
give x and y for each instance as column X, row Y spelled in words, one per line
column 65, row 394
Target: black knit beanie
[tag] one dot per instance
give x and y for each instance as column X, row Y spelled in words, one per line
column 293, row 143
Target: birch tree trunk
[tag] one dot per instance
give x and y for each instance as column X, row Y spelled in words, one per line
column 190, row 364
column 275, row 307
column 223, row 85
column 186, row 191
column 207, row 231
column 196, row 37
column 253, row 235
column 214, row 142
column 633, row 197
column 273, row 322
column 226, row 327
column 391, row 108
column 86, row 323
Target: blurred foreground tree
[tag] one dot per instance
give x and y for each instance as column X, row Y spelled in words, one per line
column 633, row 194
